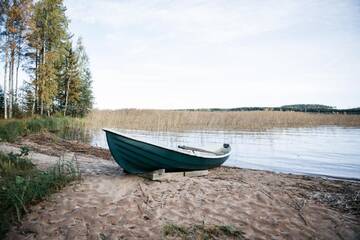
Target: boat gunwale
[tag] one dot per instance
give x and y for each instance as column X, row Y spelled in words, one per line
column 167, row 148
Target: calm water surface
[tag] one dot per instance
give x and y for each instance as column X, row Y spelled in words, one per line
column 329, row 151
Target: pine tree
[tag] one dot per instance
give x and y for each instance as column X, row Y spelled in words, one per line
column 18, row 14
column 47, row 84
column 69, row 95
column 24, row 13
column 14, row 17
column 48, row 34
column 86, row 94
column 27, row 98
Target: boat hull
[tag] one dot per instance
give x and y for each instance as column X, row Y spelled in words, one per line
column 136, row 156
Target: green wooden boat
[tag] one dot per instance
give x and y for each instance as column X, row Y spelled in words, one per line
column 136, row 156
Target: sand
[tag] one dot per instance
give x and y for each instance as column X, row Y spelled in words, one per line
column 109, row 204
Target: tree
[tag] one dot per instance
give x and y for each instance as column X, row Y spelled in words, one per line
column 24, row 14
column 14, row 17
column 69, row 81
column 47, row 84
column 75, row 96
column 26, row 98
column 48, row 34
column 86, row 95
column 34, row 36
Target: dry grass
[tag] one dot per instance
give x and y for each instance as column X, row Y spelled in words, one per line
column 166, row 120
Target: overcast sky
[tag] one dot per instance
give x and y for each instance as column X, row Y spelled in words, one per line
column 195, row 54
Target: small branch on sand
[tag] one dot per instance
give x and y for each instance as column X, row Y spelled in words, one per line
column 140, row 208
column 298, row 207
column 266, row 193
column 142, row 190
column 303, row 218
column 147, row 196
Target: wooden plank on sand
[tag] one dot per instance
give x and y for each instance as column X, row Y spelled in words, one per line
column 160, row 174
column 196, row 173
column 154, row 175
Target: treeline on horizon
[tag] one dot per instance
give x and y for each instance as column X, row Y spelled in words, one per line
column 35, row 39
column 311, row 108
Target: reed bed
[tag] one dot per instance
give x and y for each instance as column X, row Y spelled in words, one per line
column 170, row 120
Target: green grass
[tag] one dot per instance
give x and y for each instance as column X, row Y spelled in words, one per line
column 22, row 184
column 202, row 232
column 11, row 130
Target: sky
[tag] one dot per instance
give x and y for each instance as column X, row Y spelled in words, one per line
column 167, row 54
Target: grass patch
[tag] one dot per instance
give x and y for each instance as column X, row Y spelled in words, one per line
column 202, row 232
column 22, row 184
column 11, row 130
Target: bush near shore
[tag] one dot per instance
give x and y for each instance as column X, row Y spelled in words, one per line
column 10, row 130
column 22, row 184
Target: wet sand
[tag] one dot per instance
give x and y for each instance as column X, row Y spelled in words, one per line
column 110, row 204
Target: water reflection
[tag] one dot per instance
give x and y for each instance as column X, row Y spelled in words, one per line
column 331, row 151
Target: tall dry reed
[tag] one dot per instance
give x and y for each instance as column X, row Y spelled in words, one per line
column 169, row 120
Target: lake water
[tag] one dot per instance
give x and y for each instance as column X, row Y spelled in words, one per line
column 327, row 151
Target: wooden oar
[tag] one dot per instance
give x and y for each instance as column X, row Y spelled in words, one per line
column 196, row 149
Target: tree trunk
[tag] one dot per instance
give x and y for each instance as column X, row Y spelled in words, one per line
column 36, row 98
column 17, row 75
column 43, row 62
column 11, row 82
column 33, row 103
column 66, row 96
column 5, row 77
column 41, row 106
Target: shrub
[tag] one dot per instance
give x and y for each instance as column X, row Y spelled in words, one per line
column 35, row 125
column 10, row 130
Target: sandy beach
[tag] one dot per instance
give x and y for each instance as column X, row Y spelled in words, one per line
column 194, row 120
column 109, row 204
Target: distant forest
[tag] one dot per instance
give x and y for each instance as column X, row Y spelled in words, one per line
column 35, row 39
column 311, row 108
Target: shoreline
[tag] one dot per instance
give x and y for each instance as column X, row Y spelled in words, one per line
column 260, row 204
column 58, row 145
column 311, row 175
